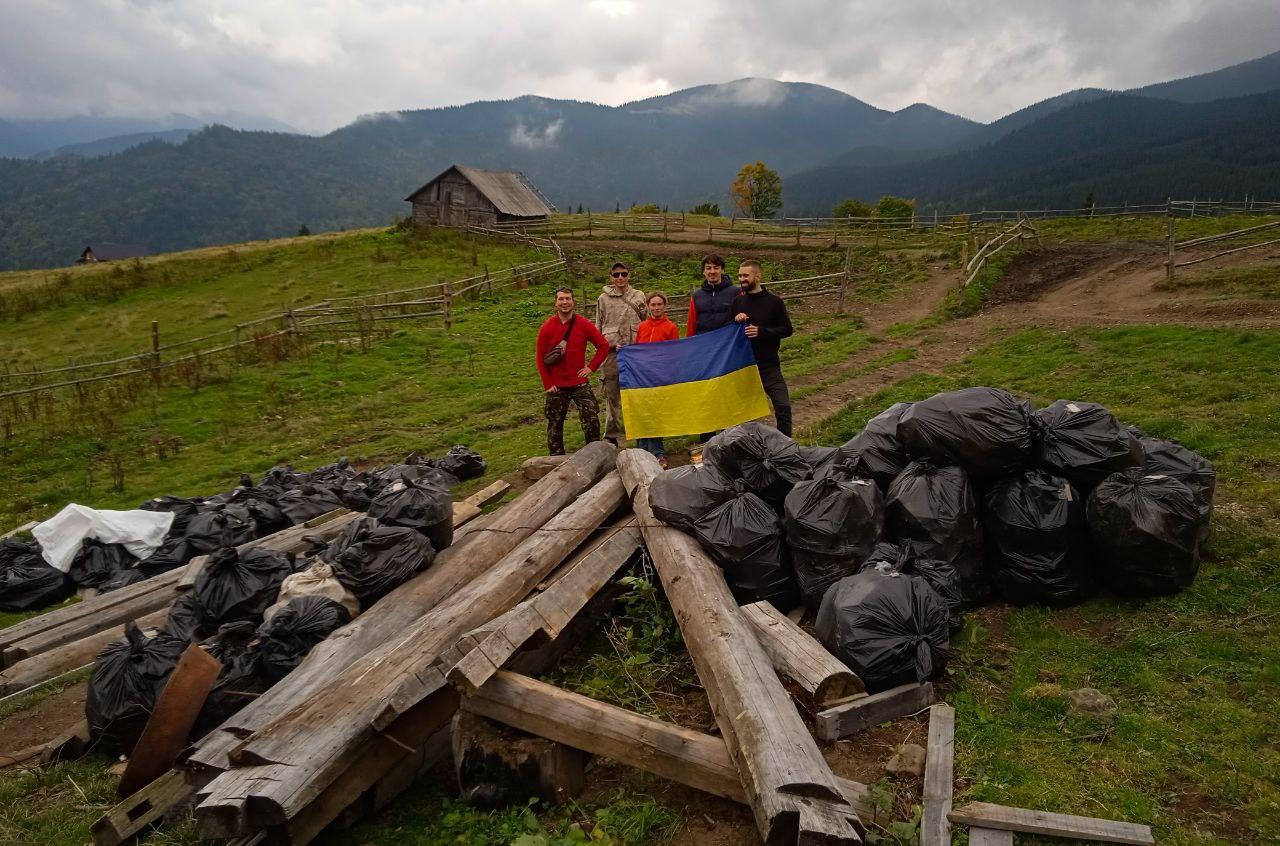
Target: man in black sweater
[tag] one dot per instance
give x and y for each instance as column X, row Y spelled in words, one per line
column 766, row 324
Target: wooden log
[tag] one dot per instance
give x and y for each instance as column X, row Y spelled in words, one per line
column 1004, row 818
column 792, row 791
column 69, row 656
column 672, row 752
column 390, row 687
column 540, row 465
column 497, row 766
column 142, row 809
column 175, row 712
column 514, row 523
column 797, row 656
column 935, row 829
column 989, row 837
column 25, row 527
column 864, row 712
column 546, row 614
column 470, row 508
column 313, row 746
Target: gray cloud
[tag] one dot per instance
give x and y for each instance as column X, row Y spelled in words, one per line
column 318, row 65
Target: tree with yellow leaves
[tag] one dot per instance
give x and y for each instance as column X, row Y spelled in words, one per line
column 757, row 192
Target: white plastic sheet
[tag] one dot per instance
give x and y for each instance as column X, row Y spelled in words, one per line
column 62, row 535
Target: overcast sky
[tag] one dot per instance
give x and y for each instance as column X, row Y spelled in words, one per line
column 318, row 65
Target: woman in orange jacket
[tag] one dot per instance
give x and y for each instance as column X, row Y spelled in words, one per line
column 658, row 327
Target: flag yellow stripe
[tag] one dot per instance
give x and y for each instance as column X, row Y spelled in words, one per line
column 690, row 408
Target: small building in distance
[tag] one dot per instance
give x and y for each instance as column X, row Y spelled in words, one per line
column 112, row 252
column 464, row 196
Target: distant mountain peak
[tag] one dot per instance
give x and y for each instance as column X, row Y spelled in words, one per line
column 752, row 92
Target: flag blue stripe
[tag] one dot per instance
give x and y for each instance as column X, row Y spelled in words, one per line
column 704, row 356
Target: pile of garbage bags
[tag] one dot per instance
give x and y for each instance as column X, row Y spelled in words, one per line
column 936, row 506
column 259, row 611
column 413, row 493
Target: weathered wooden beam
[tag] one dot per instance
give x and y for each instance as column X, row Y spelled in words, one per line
column 471, row 552
column 69, row 656
column 864, row 712
column 1046, row 824
column 800, row 658
column 25, row 527
column 289, row 765
column 935, row 829
column 546, row 614
column 135, row 813
column 670, row 751
column 792, row 791
column 470, row 508
column 497, row 766
column 989, row 837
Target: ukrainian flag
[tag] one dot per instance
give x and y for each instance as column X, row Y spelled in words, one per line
column 690, row 385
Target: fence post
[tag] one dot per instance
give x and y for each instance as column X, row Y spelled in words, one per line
column 588, row 223
column 664, row 226
column 844, row 282
column 155, row 343
column 709, row 236
column 293, row 321
column 797, row 234
column 964, row 256
column 447, row 306
column 1168, row 273
column 488, row 283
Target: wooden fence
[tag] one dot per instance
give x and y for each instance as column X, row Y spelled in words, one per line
column 1019, row 232
column 1173, row 246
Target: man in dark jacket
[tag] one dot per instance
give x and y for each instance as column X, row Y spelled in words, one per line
column 711, row 305
column 766, row 323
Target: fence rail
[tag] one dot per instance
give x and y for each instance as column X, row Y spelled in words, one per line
column 1172, row 263
column 1019, row 232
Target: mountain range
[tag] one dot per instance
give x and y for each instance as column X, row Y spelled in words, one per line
column 1215, row 134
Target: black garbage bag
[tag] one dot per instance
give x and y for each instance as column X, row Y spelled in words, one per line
column 682, row 495
column 234, row 586
column 308, row 502
column 292, row 632
column 357, row 494
column 460, row 462
column 97, row 563
column 172, row 554
column 877, row 452
column 1037, row 541
column 934, row 508
column 890, row 557
column 1083, row 443
column 1146, row 529
column 1171, row 458
column 832, row 524
column 744, row 535
column 26, row 579
column 122, row 578
column 330, row 474
column 986, row 431
column 260, row 503
column 816, row 572
column 182, row 508
column 371, row 559
column 818, row 458
column 126, row 678
column 414, row 470
column 184, row 620
column 889, row 627
column 241, row 679
column 281, row 478
column 767, row 460
column 423, row 506
column 216, row 526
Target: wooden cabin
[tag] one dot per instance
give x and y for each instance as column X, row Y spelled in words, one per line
column 464, row 196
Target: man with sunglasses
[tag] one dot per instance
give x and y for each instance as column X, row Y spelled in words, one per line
column 619, row 311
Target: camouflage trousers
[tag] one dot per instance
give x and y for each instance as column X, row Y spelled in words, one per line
column 612, row 392
column 558, row 409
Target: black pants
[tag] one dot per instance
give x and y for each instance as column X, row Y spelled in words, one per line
column 775, row 387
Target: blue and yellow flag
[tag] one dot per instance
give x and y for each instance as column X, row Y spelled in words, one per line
column 690, row 385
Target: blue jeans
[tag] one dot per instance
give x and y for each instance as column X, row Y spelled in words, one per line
column 651, row 445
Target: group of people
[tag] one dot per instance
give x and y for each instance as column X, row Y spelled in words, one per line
column 627, row 316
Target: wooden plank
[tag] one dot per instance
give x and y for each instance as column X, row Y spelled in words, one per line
column 672, row 752
column 25, row 527
column 547, row 613
column 792, row 791
column 468, row 509
column 935, row 829
column 987, row 815
column 143, row 808
column 989, row 837
column 89, row 625
column 864, row 712
column 175, row 712
column 69, row 656
column 797, row 656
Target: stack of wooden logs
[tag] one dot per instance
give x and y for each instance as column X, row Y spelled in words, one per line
column 437, row 664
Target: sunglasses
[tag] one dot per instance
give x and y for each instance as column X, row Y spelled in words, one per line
column 618, row 274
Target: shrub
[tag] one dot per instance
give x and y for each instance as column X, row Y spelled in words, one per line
column 645, row 208
column 895, row 207
column 852, row 208
column 712, row 209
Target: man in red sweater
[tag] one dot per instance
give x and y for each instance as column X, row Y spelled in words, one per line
column 564, row 378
